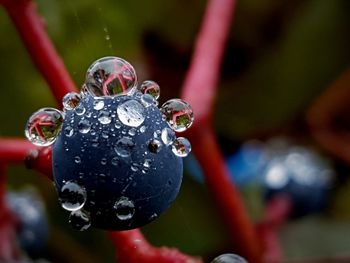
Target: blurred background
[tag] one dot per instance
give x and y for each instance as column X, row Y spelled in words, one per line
column 281, row 55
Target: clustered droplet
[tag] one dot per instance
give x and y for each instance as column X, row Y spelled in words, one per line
column 110, row 77
column 229, row 258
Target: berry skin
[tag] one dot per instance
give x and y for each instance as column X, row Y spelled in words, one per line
column 112, row 148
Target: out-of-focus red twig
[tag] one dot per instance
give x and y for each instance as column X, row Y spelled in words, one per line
column 42, row 51
column 31, row 28
column 9, row 251
column 322, row 117
column 14, row 150
column 277, row 212
column 199, row 90
column 133, row 248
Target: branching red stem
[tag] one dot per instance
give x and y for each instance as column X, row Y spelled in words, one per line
column 31, row 29
column 199, row 90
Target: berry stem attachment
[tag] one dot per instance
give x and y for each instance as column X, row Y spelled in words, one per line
column 32, row 31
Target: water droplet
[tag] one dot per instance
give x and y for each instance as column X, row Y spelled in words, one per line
column 77, row 159
column 134, row 167
column 84, row 126
column 103, row 161
column 131, row 113
column 143, row 129
column 181, row 147
column 68, row 131
column 153, row 216
column 228, row 258
column 105, row 134
column 124, row 208
column 124, row 147
column 147, row 163
column 98, row 104
column 115, row 161
column 44, row 126
column 150, row 87
column 168, row 136
column 84, row 91
column 117, row 125
column 72, row 196
column 178, row 114
column 71, row 100
column 80, row 220
column 80, row 110
column 154, row 146
column 132, row 132
column 147, row 100
column 110, row 76
column 104, row 117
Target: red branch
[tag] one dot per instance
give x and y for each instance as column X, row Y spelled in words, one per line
column 31, row 29
column 199, row 90
column 132, row 247
column 14, row 150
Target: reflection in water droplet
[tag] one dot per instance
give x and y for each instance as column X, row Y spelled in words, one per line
column 71, row 100
column 84, row 126
column 168, row 136
column 124, row 147
column 98, row 104
column 44, row 126
column 124, row 208
column 104, row 117
column 110, row 76
column 131, row 113
column 181, row 147
column 150, row 87
column 80, row 220
column 72, row 196
column 178, row 114
column 154, row 146
column 228, row 258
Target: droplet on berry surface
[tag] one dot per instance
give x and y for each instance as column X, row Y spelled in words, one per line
column 80, row 220
column 110, row 76
column 104, row 117
column 131, row 113
column 147, row 100
column 150, row 87
column 98, row 104
column 44, row 126
column 124, row 146
column 80, row 109
column 154, row 146
column 124, row 208
column 71, row 100
column 181, row 147
column 178, row 114
column 72, row 196
column 168, row 136
column 84, row 126
column 228, row 258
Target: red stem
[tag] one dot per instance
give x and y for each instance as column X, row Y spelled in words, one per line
column 132, row 247
column 199, row 90
column 31, row 29
column 14, row 150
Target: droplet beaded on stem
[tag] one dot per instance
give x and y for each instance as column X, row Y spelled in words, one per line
column 116, row 143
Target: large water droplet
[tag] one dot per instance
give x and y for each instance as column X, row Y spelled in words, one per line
column 71, row 100
column 168, row 136
column 228, row 258
column 124, row 208
column 43, row 126
column 154, row 146
column 80, row 220
column 98, row 104
column 110, row 76
column 104, row 117
column 84, row 126
column 124, row 147
column 181, row 147
column 131, row 113
column 150, row 87
column 178, row 114
column 72, row 196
